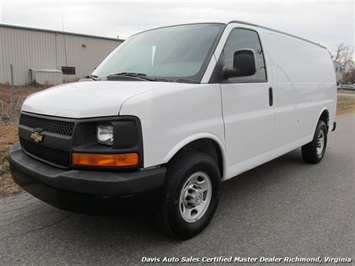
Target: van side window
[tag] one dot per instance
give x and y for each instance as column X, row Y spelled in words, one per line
column 245, row 39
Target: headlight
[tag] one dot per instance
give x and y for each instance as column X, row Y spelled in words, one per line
column 105, row 134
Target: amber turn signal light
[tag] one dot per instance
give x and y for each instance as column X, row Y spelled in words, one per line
column 103, row 160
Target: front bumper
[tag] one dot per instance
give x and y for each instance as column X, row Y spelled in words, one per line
column 94, row 192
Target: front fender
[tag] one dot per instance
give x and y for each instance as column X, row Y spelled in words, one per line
column 199, row 136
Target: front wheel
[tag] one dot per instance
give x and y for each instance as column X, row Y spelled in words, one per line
column 314, row 151
column 191, row 194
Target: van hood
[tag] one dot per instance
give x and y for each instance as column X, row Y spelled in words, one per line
column 87, row 99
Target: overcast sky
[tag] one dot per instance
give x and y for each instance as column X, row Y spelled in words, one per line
column 325, row 22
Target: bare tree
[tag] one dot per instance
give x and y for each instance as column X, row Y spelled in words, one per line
column 350, row 76
column 344, row 56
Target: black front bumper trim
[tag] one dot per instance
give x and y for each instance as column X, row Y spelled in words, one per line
column 84, row 190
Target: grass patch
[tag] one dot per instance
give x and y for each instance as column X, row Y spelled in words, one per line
column 346, row 91
column 8, row 137
column 346, row 105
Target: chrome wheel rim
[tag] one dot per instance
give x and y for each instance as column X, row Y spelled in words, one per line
column 320, row 143
column 195, row 197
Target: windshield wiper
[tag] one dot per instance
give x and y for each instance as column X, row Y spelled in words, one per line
column 93, row 77
column 139, row 76
column 128, row 74
column 184, row 80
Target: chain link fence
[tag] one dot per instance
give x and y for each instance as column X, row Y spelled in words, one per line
column 17, row 82
column 12, row 95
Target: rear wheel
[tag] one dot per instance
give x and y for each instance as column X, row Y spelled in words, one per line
column 314, row 151
column 191, row 194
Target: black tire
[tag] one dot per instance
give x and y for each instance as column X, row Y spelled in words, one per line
column 314, row 151
column 191, row 195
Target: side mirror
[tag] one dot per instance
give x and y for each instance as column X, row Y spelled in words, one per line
column 244, row 65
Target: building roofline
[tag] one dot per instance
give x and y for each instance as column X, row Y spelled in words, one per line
column 58, row 32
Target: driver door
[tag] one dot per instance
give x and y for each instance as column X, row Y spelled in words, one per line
column 247, row 106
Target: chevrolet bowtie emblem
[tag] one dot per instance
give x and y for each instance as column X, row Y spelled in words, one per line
column 36, row 136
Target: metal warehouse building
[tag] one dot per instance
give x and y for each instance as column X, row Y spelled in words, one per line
column 47, row 56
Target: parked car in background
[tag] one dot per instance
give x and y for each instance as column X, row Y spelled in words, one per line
column 347, row 87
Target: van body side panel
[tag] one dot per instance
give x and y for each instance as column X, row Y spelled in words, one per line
column 173, row 116
column 301, row 86
column 302, row 79
column 327, row 83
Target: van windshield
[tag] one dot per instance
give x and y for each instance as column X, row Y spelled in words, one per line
column 178, row 53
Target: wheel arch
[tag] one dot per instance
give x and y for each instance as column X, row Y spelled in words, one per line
column 205, row 143
column 324, row 116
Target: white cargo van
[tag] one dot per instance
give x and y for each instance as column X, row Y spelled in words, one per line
column 170, row 114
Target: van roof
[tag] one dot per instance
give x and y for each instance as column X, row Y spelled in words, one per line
column 239, row 22
column 281, row 32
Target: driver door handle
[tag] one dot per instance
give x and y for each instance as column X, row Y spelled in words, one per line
column 271, row 97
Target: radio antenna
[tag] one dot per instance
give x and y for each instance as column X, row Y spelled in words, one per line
column 65, row 46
